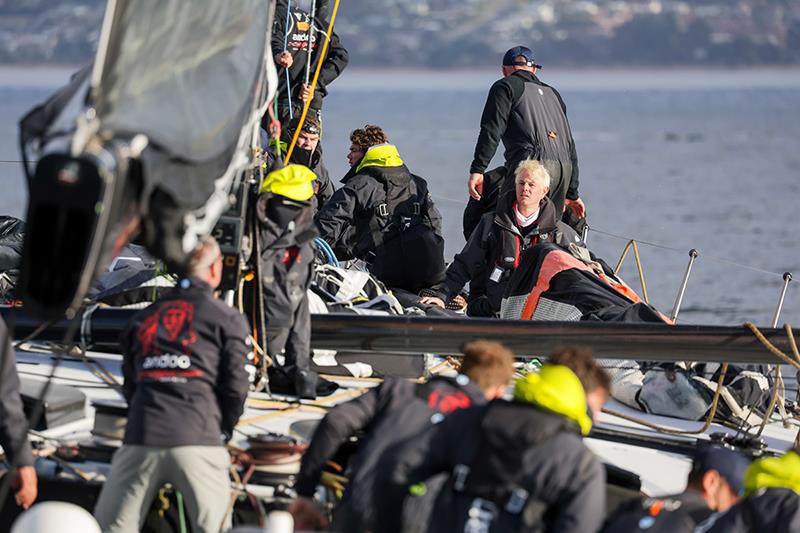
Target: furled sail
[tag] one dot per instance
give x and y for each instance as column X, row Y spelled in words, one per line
column 152, row 140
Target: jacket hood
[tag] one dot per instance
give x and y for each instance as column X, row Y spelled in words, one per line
column 774, row 472
column 380, row 155
column 557, row 389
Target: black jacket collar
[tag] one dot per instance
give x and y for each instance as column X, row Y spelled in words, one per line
column 507, row 219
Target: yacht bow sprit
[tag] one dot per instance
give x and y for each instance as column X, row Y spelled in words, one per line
column 335, row 372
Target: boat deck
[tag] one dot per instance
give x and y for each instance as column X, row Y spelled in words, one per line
column 657, row 459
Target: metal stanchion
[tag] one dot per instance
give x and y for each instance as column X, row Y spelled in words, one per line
column 679, row 300
column 787, row 277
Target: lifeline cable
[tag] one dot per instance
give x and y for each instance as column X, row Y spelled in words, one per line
column 649, row 243
column 307, row 103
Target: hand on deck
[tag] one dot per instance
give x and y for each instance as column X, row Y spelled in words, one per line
column 307, row 515
column 432, row 300
column 577, row 207
column 284, row 59
column 25, row 486
column 475, row 185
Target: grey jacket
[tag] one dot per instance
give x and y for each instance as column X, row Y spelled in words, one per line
column 13, row 423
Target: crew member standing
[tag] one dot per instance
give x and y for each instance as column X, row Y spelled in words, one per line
column 290, row 45
column 14, row 426
column 186, row 384
column 287, row 232
column 530, row 118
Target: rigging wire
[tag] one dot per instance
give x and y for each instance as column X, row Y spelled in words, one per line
column 286, row 69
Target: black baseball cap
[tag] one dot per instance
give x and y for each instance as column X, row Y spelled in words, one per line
column 310, row 125
column 730, row 464
column 511, row 59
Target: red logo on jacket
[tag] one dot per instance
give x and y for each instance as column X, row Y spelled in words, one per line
column 177, row 319
column 446, row 403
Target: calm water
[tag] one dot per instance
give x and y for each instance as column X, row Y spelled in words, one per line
column 682, row 159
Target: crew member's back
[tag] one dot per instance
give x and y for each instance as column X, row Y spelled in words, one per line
column 385, row 216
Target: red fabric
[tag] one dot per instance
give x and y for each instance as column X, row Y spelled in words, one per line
column 554, row 263
column 557, row 262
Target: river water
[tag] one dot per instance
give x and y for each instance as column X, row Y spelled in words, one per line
column 680, row 159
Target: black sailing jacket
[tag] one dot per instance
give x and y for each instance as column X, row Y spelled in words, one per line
column 296, row 43
column 496, row 243
column 774, row 509
column 528, row 471
column 390, row 415
column 530, row 118
column 184, row 368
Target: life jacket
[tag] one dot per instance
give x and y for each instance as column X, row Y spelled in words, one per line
column 555, row 260
column 511, row 242
column 405, row 251
column 494, row 481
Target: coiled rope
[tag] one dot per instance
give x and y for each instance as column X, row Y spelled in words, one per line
column 323, row 246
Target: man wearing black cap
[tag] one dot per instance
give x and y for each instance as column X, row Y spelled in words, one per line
column 308, row 152
column 714, row 485
column 531, row 119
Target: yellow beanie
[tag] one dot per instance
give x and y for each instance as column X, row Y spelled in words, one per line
column 774, row 472
column 292, row 181
column 556, row 388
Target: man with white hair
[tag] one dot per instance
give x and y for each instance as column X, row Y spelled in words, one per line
column 524, row 217
column 186, row 384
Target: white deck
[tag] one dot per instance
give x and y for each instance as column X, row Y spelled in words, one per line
column 661, row 472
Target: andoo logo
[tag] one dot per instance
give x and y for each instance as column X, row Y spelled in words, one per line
column 167, row 361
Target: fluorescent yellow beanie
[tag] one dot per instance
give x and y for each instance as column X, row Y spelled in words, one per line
column 556, row 388
column 292, row 181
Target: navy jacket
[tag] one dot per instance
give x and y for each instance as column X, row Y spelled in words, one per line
column 184, row 368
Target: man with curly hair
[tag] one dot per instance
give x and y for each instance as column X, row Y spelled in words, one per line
column 385, row 216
